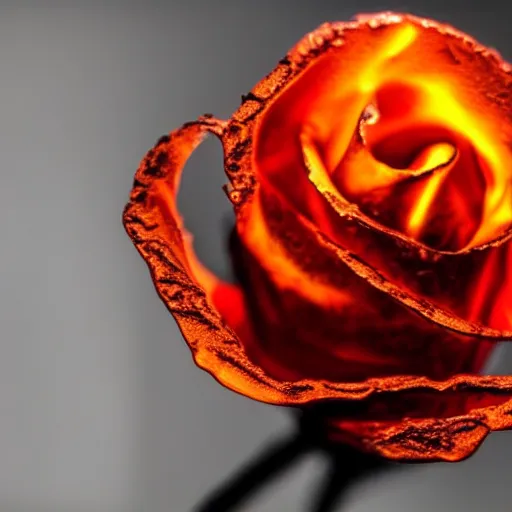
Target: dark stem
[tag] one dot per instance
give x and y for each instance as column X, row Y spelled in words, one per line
column 241, row 486
column 346, row 465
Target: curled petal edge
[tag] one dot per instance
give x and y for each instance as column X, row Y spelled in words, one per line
column 426, row 440
column 154, row 225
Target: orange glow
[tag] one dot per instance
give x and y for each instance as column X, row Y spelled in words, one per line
column 371, row 176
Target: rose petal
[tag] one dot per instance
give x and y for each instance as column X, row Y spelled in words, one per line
column 152, row 221
column 429, row 440
column 441, row 437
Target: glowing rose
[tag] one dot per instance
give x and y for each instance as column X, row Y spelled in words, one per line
column 370, row 174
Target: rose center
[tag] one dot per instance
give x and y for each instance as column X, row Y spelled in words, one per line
column 408, row 170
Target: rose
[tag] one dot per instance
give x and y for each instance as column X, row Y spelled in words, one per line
column 371, row 178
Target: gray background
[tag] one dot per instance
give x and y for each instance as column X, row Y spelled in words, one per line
column 101, row 407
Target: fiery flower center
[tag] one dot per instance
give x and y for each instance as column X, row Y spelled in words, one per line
column 413, row 170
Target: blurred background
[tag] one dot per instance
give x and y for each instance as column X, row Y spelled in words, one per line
column 102, row 409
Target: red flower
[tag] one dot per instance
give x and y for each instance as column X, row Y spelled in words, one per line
column 371, row 175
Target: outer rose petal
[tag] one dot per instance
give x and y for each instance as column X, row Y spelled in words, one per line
column 196, row 299
column 450, row 440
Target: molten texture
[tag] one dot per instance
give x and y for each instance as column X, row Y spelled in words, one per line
column 371, row 176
